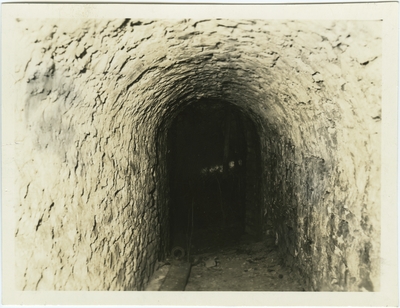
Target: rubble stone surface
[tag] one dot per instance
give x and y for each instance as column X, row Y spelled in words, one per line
column 93, row 103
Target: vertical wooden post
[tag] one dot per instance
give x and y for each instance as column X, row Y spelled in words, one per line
column 225, row 161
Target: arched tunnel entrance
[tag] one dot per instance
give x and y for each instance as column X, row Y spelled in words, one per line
column 214, row 171
column 137, row 136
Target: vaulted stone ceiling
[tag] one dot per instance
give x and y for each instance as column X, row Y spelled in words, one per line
column 98, row 96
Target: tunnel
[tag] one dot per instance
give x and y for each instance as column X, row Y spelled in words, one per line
column 138, row 136
column 214, row 174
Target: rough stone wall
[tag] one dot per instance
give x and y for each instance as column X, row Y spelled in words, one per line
column 95, row 100
column 323, row 191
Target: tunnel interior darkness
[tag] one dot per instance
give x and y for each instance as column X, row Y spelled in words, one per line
column 213, row 167
column 96, row 103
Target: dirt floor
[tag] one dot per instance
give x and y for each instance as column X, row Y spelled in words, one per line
column 247, row 265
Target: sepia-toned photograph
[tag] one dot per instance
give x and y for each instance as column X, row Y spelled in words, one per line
column 194, row 154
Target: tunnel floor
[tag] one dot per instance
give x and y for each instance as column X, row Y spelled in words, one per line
column 247, row 265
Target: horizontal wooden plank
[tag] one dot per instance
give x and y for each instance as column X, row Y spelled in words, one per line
column 177, row 277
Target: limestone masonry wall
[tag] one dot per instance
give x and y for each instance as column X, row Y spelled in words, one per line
column 96, row 98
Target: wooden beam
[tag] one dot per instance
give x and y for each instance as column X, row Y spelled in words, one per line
column 177, row 277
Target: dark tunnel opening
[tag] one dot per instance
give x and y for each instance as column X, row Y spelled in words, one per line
column 214, row 177
column 274, row 130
